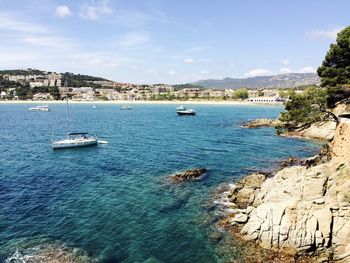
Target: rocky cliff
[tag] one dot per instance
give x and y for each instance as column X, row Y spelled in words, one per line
column 302, row 209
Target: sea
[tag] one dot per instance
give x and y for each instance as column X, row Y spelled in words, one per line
column 115, row 202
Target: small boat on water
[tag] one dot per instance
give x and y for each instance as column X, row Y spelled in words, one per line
column 94, row 107
column 75, row 139
column 40, row 108
column 183, row 111
column 126, row 107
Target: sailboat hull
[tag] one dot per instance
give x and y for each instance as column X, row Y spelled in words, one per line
column 64, row 144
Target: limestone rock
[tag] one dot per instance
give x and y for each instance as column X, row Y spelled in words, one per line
column 240, row 218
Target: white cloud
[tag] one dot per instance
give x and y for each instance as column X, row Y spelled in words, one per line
column 49, row 41
column 189, row 61
column 258, row 72
column 95, row 9
column 63, row 11
column 307, row 70
column 204, row 72
column 12, row 23
column 285, row 70
column 171, row 72
column 285, row 62
column 134, row 40
column 325, row 34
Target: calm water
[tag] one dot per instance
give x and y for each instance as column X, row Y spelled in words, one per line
column 114, row 201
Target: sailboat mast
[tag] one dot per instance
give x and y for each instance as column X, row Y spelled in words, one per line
column 67, row 109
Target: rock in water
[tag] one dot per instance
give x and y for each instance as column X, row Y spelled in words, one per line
column 189, row 174
column 259, row 123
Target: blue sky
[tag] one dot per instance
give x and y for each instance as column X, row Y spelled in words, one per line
column 164, row 41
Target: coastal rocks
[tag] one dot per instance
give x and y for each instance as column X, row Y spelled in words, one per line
column 319, row 131
column 291, row 161
column 189, row 174
column 341, row 146
column 244, row 192
column 258, row 123
column 303, row 210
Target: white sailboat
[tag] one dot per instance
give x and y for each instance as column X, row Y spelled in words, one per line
column 74, row 139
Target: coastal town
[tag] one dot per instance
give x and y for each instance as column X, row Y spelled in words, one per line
column 35, row 85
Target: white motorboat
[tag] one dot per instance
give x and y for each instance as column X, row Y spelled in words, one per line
column 40, row 108
column 183, row 111
column 126, row 107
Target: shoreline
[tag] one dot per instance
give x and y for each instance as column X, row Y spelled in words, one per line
column 302, row 211
column 145, row 102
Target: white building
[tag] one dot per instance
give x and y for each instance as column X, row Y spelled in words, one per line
column 35, row 84
column 268, row 100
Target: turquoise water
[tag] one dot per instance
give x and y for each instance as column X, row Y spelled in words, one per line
column 114, row 201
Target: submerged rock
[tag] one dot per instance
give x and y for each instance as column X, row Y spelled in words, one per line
column 189, row 174
column 50, row 253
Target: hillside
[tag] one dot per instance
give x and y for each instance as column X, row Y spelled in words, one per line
column 278, row 81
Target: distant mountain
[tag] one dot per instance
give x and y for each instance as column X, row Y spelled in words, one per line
column 278, row 81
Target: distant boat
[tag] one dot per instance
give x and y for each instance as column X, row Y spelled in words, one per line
column 183, row 111
column 94, row 107
column 126, row 107
column 74, row 139
column 39, row 108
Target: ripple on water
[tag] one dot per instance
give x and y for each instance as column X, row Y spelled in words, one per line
column 114, row 201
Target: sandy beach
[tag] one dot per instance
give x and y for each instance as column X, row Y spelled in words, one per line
column 122, row 102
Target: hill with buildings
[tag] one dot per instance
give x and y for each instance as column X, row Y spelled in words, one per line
column 278, row 81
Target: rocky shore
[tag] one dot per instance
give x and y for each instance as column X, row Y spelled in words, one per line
column 259, row 123
column 303, row 210
column 317, row 131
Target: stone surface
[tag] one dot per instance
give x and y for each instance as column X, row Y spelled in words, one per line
column 258, row 123
column 321, row 131
column 189, row 174
column 302, row 209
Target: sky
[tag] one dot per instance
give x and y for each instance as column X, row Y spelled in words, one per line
column 169, row 41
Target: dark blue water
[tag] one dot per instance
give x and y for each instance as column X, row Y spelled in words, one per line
column 114, row 201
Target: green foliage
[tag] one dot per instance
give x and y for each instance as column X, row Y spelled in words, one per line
column 24, row 93
column 103, row 97
column 78, row 80
column 7, row 84
column 304, row 109
column 240, row 94
column 335, row 69
column 24, row 72
column 163, row 96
